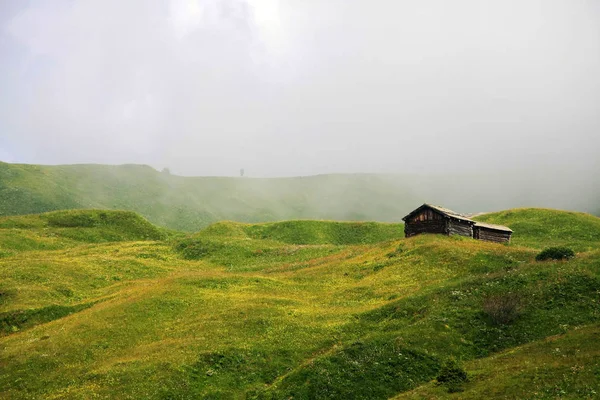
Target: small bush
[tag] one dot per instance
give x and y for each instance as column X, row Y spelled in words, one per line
column 555, row 253
column 502, row 309
column 452, row 375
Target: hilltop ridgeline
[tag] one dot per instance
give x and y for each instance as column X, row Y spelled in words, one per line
column 192, row 203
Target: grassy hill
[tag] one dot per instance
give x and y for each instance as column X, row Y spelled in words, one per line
column 299, row 309
column 192, row 203
column 538, row 228
column 59, row 229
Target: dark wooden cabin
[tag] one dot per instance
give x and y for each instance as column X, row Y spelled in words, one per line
column 491, row 232
column 433, row 219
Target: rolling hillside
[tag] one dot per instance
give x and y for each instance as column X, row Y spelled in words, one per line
column 190, row 204
column 59, row 229
column 193, row 203
column 298, row 309
column 537, row 228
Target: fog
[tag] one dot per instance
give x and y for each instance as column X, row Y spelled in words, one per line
column 290, row 88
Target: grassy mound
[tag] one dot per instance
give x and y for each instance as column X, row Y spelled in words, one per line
column 55, row 229
column 310, row 232
column 263, row 246
column 536, row 227
column 326, row 232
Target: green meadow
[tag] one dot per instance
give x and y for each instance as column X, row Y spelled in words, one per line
column 104, row 304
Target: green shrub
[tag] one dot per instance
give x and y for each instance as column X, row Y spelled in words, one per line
column 502, row 309
column 452, row 375
column 555, row 253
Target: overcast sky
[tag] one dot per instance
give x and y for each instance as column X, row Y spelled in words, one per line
column 299, row 87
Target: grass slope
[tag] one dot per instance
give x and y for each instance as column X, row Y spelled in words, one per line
column 537, row 228
column 190, row 204
column 300, row 309
column 563, row 366
column 58, row 229
column 308, row 232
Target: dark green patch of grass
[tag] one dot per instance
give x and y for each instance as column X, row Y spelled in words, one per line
column 196, row 248
column 453, row 376
column 555, row 253
column 14, row 321
column 374, row 368
column 5, row 254
column 409, row 310
column 220, row 374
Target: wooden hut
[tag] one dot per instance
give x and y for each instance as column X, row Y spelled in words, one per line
column 491, row 232
column 434, row 219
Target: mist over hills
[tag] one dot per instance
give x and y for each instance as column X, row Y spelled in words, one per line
column 191, row 203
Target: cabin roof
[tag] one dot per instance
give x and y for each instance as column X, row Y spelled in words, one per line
column 493, row 226
column 445, row 211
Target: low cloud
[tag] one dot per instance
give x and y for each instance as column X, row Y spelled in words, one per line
column 298, row 88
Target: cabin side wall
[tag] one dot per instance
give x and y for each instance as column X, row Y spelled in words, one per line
column 491, row 235
column 462, row 228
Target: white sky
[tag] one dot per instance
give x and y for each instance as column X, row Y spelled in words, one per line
column 302, row 87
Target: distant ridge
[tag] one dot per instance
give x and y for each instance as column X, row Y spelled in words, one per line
column 192, row 203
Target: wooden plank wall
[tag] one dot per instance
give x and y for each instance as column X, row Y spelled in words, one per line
column 460, row 228
column 491, row 235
